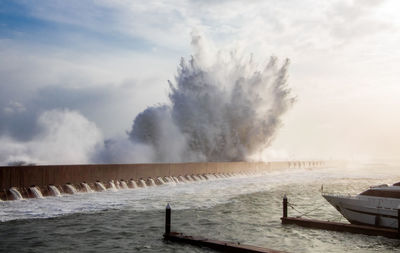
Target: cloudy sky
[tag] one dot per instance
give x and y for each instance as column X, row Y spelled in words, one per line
column 100, row 63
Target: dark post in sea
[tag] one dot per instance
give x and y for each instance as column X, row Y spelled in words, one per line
column 284, row 206
column 221, row 246
column 167, row 220
column 398, row 221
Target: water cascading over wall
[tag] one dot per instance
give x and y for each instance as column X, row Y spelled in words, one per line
column 42, row 177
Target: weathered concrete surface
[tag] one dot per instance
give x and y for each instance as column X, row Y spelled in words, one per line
column 44, row 175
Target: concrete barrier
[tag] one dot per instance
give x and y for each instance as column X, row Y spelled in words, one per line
column 59, row 175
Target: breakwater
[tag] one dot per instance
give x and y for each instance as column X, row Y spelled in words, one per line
column 26, row 181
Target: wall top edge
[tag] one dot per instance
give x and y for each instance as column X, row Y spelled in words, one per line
column 151, row 164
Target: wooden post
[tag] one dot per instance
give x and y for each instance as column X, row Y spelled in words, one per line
column 168, row 220
column 398, row 221
column 377, row 220
column 284, row 206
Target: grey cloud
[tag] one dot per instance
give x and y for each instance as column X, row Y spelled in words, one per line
column 21, row 126
column 14, row 107
column 100, row 103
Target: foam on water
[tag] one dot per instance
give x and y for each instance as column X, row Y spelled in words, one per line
column 161, row 180
column 211, row 177
column 152, row 183
column 36, row 192
column 176, row 180
column 170, row 180
column 16, row 194
column 209, row 193
column 134, row 184
column 71, row 188
column 87, row 187
column 101, row 186
column 143, row 183
column 124, row 185
column 55, row 191
column 182, row 179
column 112, row 186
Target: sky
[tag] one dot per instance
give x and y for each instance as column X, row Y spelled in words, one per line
column 74, row 74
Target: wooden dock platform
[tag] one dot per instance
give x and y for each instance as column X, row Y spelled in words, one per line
column 338, row 226
column 342, row 227
column 222, row 246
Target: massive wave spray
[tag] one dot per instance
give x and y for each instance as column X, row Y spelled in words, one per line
column 223, row 108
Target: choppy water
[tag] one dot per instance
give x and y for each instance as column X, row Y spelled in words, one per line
column 244, row 209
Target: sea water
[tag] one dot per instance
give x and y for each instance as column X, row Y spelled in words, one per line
column 245, row 209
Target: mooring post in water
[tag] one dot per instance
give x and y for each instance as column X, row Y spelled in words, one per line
column 398, row 221
column 167, row 220
column 284, row 206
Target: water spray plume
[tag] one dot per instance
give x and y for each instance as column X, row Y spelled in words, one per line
column 224, row 108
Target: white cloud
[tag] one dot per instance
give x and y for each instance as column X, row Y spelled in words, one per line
column 66, row 137
column 117, row 85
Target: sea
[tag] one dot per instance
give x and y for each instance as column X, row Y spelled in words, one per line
column 242, row 208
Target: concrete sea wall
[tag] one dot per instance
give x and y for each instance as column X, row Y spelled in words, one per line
column 41, row 176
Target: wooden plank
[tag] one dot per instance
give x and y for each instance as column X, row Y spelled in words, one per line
column 342, row 227
column 222, row 246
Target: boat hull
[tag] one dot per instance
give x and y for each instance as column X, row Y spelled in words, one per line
column 372, row 211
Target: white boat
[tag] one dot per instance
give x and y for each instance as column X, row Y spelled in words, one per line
column 378, row 206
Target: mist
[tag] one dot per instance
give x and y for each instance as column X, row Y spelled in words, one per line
column 223, row 106
column 65, row 137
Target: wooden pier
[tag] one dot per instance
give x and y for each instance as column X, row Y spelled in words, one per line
column 338, row 226
column 222, row 246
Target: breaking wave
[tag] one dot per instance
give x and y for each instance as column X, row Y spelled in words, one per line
column 223, row 109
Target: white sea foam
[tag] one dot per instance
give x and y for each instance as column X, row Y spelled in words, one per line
column 16, row 194
column 161, row 180
column 124, row 185
column 112, row 186
column 101, row 186
column 182, row 196
column 72, row 189
column 151, row 182
column 134, row 184
column 182, row 179
column 143, row 183
column 55, row 191
column 87, row 187
column 36, row 192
